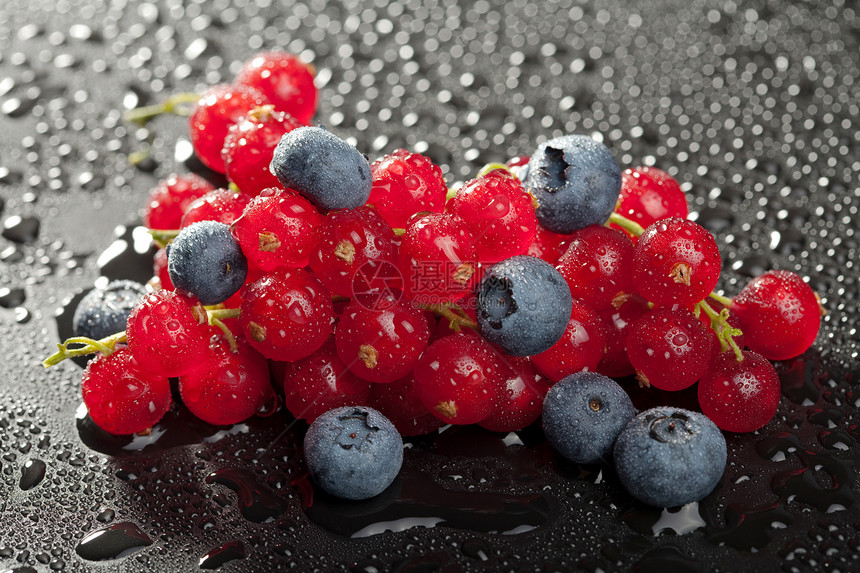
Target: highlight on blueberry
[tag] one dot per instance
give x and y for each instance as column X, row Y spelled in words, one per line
column 668, row 457
column 353, row 452
column 583, row 415
column 104, row 311
column 206, row 261
column 322, row 167
column 576, row 182
column 524, row 305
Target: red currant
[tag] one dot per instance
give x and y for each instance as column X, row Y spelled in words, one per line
column 399, row 403
column 159, row 269
column 597, row 265
column 405, row 183
column 547, row 245
column 739, row 396
column 520, row 400
column 171, row 197
column 649, row 194
column 617, row 321
column 580, row 347
column 221, row 205
column 284, row 80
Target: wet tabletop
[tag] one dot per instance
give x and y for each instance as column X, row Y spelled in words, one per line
column 752, row 106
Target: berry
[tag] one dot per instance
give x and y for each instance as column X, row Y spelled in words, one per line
column 286, row 315
column 547, row 245
column 167, row 333
column 457, row 379
column 579, row 348
column 520, row 398
column 524, row 305
column 221, row 205
column 217, row 110
column 229, row 386
column 575, row 181
column 171, row 197
column 159, row 269
column 206, row 261
column 583, row 415
column 779, row 315
column 669, row 348
column 399, row 402
column 284, row 80
column 499, row 212
column 668, row 457
column 249, row 146
column 275, row 230
column 597, row 265
column 381, row 345
column 616, row 322
column 676, row 261
column 405, row 183
column 649, row 194
column 122, row 397
column 519, row 166
column 104, row 311
column 322, row 167
column 353, row 452
column 739, row 396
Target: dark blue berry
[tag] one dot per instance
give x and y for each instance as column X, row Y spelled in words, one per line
column 583, row 414
column 524, row 305
column 324, row 168
column 576, row 182
column 353, row 452
column 206, row 261
column 104, row 311
column 668, row 457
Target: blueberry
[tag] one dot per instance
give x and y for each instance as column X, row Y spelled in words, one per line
column 524, row 305
column 583, row 415
column 669, row 457
column 206, row 261
column 353, row 452
column 576, row 182
column 104, row 311
column 324, row 168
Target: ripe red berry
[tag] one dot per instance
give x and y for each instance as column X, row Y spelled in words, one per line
column 249, row 146
column 399, row 403
column 616, row 322
column 406, row 183
column 597, row 265
column 739, row 396
column 521, row 395
column 219, row 108
column 171, row 197
column 122, row 397
column 676, row 261
column 284, row 80
column 779, row 315
column 159, row 269
column 649, row 194
column 580, row 347
column 547, row 245
column 221, row 205
column 286, row 315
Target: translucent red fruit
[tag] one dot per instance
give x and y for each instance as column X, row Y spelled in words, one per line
column 159, row 269
column 779, row 314
column 223, row 205
column 122, row 397
column 739, row 396
column 406, row 183
column 229, row 386
column 218, row 108
column 676, row 261
column 547, row 245
column 285, row 80
column 171, row 197
column 499, row 214
column 249, row 146
column 649, row 194
column 168, row 333
column 617, row 321
column 399, row 403
column 520, row 398
column 286, row 315
column 597, row 265
column 580, row 347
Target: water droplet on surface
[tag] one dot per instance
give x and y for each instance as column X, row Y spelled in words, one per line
column 112, row 542
column 32, row 474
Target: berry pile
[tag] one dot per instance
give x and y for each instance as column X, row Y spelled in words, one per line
column 373, row 287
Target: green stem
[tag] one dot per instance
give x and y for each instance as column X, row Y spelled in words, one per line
column 492, row 167
column 447, row 311
column 725, row 331
column 221, row 313
column 88, row 346
column 231, row 340
column 631, row 227
column 452, row 192
column 723, row 300
column 174, row 104
column 398, row 231
column 163, row 236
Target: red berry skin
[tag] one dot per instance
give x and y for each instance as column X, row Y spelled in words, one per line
column 547, row 245
column 229, row 386
column 616, row 322
column 221, row 205
column 520, row 401
column 171, row 197
column 580, row 347
column 676, row 261
column 399, row 403
column 286, row 315
column 168, row 333
column 320, row 382
column 220, row 107
column 275, row 230
column 498, row 212
column 457, row 379
column 381, row 345
column 406, row 183
column 649, row 194
column 345, row 242
column 284, row 80
column 159, row 269
column 121, row 397
column 597, row 265
column 739, row 396
column 779, row 314
column 249, row 146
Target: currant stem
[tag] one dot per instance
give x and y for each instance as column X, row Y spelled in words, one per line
column 725, row 331
column 399, row 231
column 163, row 236
column 231, row 340
column 221, row 313
column 88, row 346
column 447, row 311
column 628, row 225
column 723, row 300
column 142, row 115
column 492, row 167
